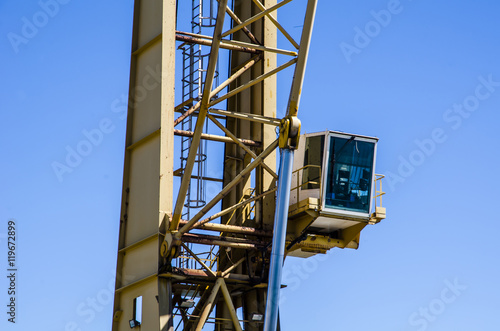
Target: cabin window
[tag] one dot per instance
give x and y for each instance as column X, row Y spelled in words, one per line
column 311, row 176
column 350, row 173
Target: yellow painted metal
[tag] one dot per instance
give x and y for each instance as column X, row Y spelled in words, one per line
column 250, row 117
column 255, row 17
column 379, row 210
column 259, row 47
column 209, row 304
column 275, row 22
column 231, row 268
column 249, row 46
column 230, row 305
column 255, row 95
column 238, row 178
column 219, row 88
column 233, row 208
column 148, row 220
column 298, row 177
column 253, row 82
column 195, row 142
column 245, row 148
column 237, row 20
column 379, row 192
column 303, row 213
column 318, row 244
column 199, row 260
column 148, row 166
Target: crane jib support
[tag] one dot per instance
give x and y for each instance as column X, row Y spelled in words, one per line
column 289, row 135
column 279, row 237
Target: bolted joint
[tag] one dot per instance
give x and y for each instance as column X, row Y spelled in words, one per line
column 289, row 132
column 170, row 246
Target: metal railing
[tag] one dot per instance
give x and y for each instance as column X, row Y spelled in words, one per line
column 378, row 192
column 306, row 183
column 247, row 210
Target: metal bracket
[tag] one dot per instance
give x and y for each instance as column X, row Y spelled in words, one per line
column 289, row 132
column 170, row 246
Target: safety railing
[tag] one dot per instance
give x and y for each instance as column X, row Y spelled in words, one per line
column 188, row 261
column 247, row 211
column 299, row 186
column 378, row 191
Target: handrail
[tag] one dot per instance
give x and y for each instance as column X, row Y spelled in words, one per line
column 306, row 183
column 249, row 192
column 378, row 192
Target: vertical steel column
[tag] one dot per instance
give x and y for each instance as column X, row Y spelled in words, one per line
column 300, row 68
column 166, row 157
column 207, row 88
column 148, row 181
column 279, row 236
column 285, row 178
column 148, row 170
column 165, row 304
column 259, row 99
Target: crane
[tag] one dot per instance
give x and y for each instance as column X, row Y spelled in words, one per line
column 200, row 248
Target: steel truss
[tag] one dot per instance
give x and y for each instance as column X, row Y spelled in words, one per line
column 212, row 270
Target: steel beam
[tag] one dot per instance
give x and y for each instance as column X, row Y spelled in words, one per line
column 279, row 237
column 146, row 46
column 234, row 266
column 200, row 276
column 233, row 207
column 225, row 239
column 237, row 20
column 255, row 18
column 275, row 22
column 198, row 260
column 209, row 305
column 284, row 183
column 237, row 141
column 229, row 303
column 258, row 47
column 219, row 88
column 228, row 187
column 206, row 42
column 249, row 117
column 214, row 137
column 195, row 142
column 148, row 166
column 259, row 100
column 252, row 82
column 250, row 46
column 300, row 68
column 178, row 173
column 165, row 304
column 225, row 228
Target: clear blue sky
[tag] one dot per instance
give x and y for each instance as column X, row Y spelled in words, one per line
column 425, row 80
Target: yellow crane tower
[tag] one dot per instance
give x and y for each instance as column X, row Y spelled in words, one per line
column 188, row 260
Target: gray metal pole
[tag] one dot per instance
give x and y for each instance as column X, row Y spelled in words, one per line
column 279, row 235
column 285, row 179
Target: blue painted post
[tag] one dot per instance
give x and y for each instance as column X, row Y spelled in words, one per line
column 279, row 236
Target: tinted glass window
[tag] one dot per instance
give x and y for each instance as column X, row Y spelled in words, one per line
column 311, row 176
column 349, row 177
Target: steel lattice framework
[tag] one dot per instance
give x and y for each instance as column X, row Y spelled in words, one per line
column 213, row 268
